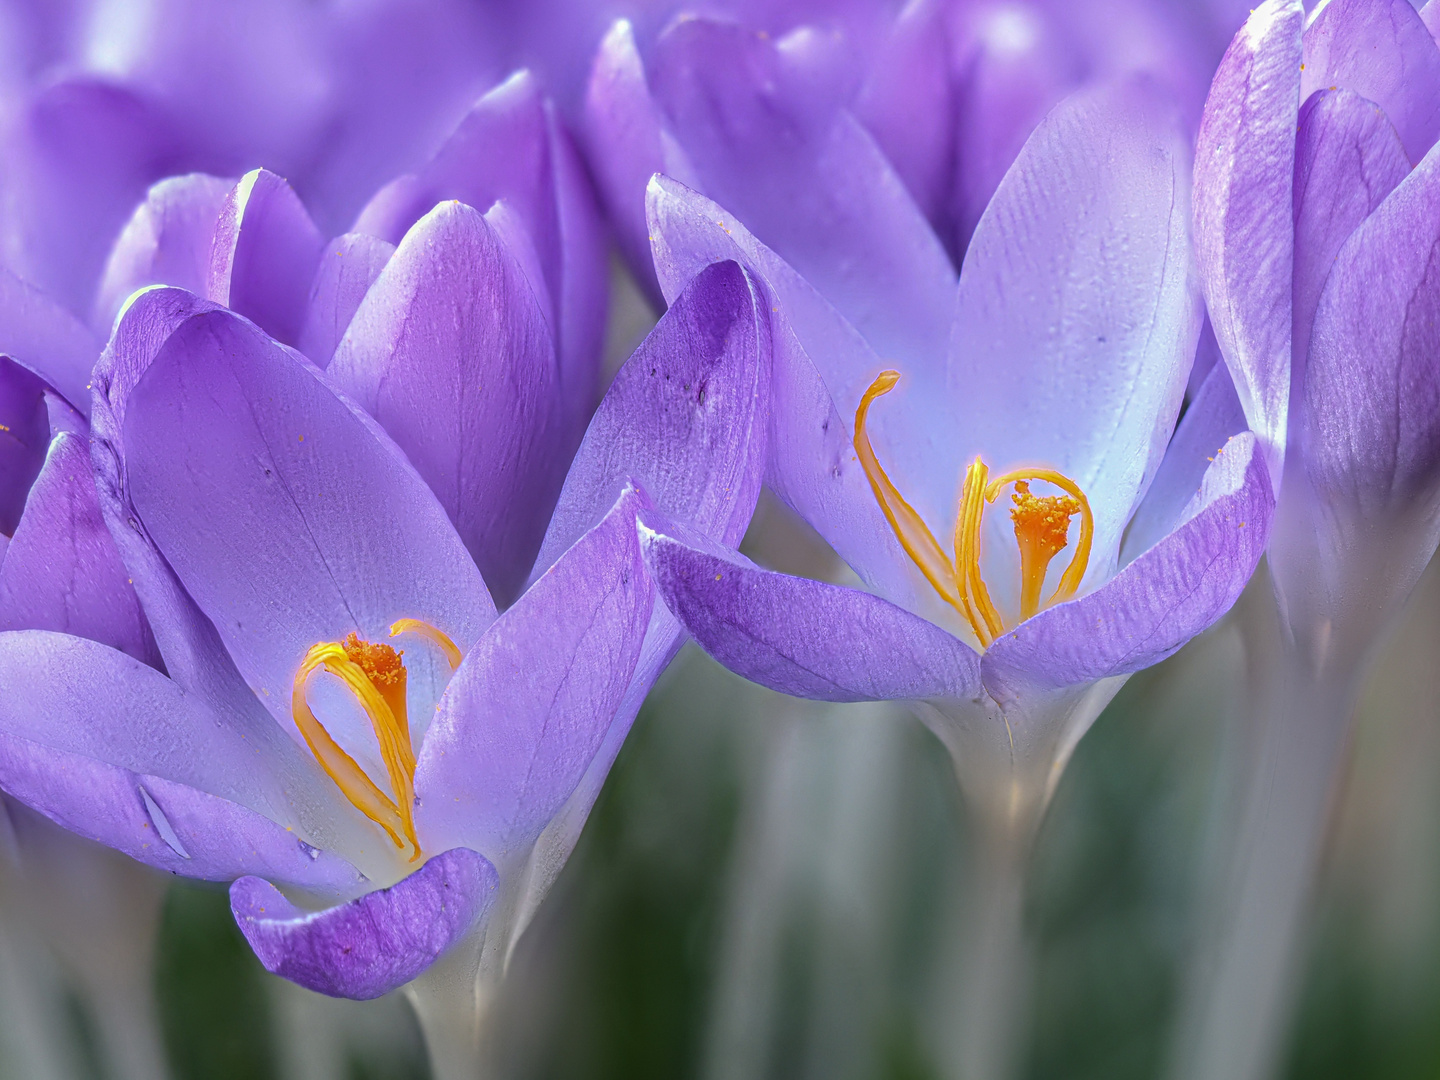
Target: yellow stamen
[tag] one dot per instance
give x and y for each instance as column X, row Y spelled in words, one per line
column 431, row 634
column 914, row 536
column 375, row 673
column 1042, row 524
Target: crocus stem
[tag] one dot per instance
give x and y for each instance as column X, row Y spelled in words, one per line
column 1243, row 980
column 993, row 964
column 452, row 1000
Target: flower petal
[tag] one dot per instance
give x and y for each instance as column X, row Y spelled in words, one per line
column 803, row 637
column 1347, row 159
column 1244, row 225
column 684, row 419
column 450, row 352
column 167, row 241
column 265, row 255
column 287, row 516
column 530, row 705
column 1086, row 375
column 758, row 138
column 1157, row 603
column 62, row 571
column 375, row 943
column 24, row 437
column 1382, row 51
column 47, row 339
column 348, row 268
column 1372, row 392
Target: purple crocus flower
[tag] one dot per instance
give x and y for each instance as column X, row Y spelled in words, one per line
column 1317, row 226
column 280, row 542
column 1064, row 403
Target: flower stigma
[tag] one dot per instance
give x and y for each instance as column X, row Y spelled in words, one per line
column 1041, row 523
column 375, row 674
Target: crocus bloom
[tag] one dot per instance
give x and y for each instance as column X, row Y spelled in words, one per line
column 1065, row 403
column 1317, row 227
column 274, row 534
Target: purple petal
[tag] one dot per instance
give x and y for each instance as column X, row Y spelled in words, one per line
column 287, row 516
column 625, row 145
column 1347, row 159
column 530, row 705
column 167, row 241
column 1382, row 50
column 85, row 727
column 758, row 139
column 1156, row 604
column 451, row 353
column 62, row 571
column 510, row 146
column 803, row 637
column 1244, row 225
column 47, row 339
column 375, row 943
column 265, row 255
column 24, row 437
column 1091, row 227
column 684, row 419
column 348, row 268
column 1372, row 392
column 1212, row 418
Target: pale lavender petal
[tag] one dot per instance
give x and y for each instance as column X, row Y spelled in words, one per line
column 1211, row 419
column 810, row 182
column 288, row 516
column 451, row 352
column 375, row 943
column 684, row 419
column 62, row 571
column 265, row 254
column 1156, row 604
column 47, row 339
column 1347, row 159
column 1372, row 392
column 624, row 142
column 348, row 268
column 530, row 705
column 1382, row 50
column 804, row 637
column 167, row 241
column 1086, row 374
column 1244, row 222
column 168, row 825
column 24, row 437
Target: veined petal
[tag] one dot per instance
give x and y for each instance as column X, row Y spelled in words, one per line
column 451, row 353
column 375, row 943
column 62, row 570
column 46, row 339
column 1382, row 50
column 289, row 517
column 167, row 241
column 265, row 254
column 24, row 437
column 1244, row 223
column 1372, row 391
column 684, row 420
column 760, row 139
column 348, row 268
column 1086, row 373
column 531, row 703
column 1347, row 160
column 803, row 637
column 1155, row 604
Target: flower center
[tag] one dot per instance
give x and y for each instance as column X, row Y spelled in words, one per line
column 1042, row 528
column 375, row 673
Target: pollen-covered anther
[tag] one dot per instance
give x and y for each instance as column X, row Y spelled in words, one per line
column 1042, row 529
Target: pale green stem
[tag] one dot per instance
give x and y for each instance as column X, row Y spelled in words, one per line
column 1238, row 1006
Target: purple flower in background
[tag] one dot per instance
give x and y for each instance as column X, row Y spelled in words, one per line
column 1064, row 402
column 283, row 546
